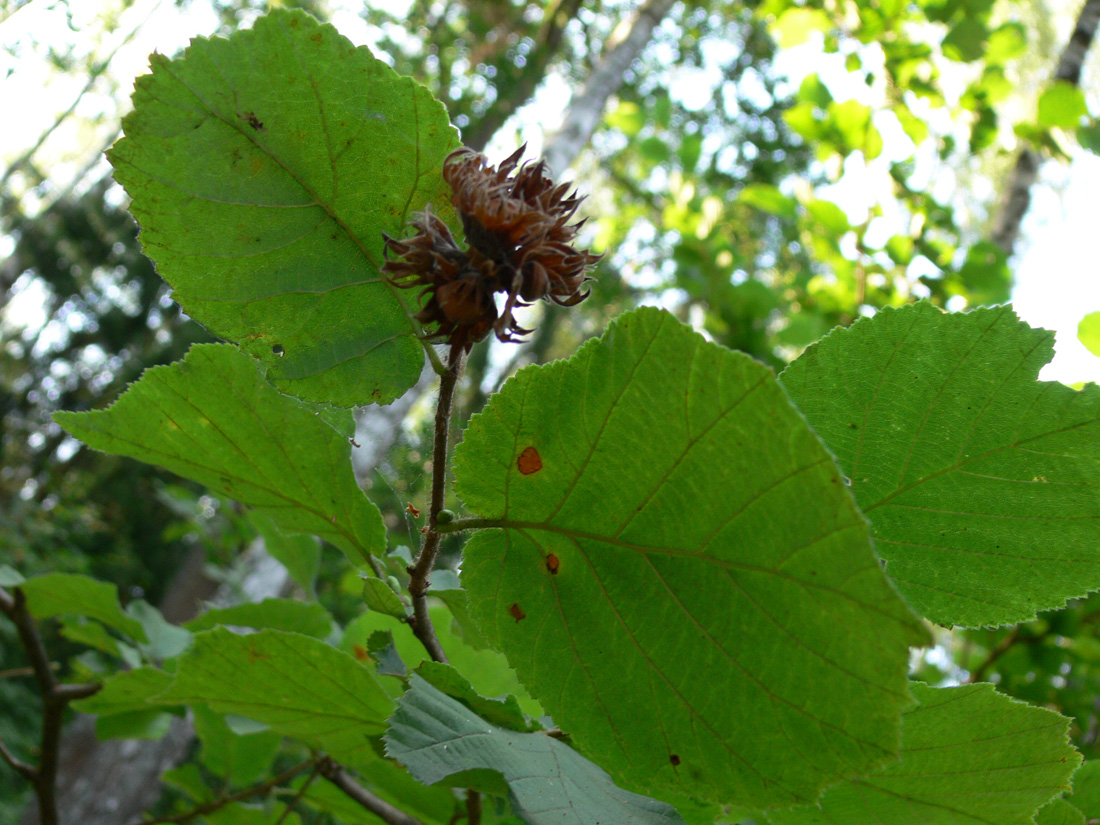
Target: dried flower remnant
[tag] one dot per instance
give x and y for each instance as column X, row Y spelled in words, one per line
column 521, row 244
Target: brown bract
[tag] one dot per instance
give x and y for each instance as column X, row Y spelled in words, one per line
column 516, row 222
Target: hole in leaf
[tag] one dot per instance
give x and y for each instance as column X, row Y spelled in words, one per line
column 278, row 350
column 529, row 461
column 517, row 612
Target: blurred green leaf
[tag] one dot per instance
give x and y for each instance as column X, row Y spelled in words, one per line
column 1062, row 105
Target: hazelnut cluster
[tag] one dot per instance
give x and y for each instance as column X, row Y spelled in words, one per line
column 516, row 223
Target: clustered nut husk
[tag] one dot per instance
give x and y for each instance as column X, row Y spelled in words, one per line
column 520, row 243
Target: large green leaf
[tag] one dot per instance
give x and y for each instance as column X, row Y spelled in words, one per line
column 969, row 755
column 263, row 171
column 982, row 484
column 436, row 736
column 1086, row 790
column 681, row 577
column 213, row 418
column 299, row 686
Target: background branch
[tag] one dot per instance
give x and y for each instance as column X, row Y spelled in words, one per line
column 339, row 777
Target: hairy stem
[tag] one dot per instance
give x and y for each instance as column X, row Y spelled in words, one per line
column 421, row 569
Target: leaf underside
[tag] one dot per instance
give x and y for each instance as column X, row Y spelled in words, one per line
column 982, row 484
column 691, row 517
column 263, row 171
column 436, row 736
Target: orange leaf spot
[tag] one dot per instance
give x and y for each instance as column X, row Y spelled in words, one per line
column 516, row 612
column 412, row 511
column 529, row 461
column 360, row 653
column 552, row 564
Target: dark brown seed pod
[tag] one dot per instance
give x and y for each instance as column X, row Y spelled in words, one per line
column 516, row 221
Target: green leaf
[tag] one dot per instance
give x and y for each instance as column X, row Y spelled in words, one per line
column 93, row 634
column 130, row 690
column 692, row 516
column 487, row 670
column 166, row 640
column 503, row 711
column 1086, row 790
column 309, row 618
column 263, row 171
column 435, row 737
column 239, row 759
column 70, row 594
column 969, row 754
column 299, row 686
column 299, row 554
column 1063, row 105
column 1059, row 812
column 1088, row 332
column 768, row 199
column 10, row 577
column 381, row 597
column 134, row 724
column 980, row 482
column 966, row 41
column 795, row 26
column 213, row 418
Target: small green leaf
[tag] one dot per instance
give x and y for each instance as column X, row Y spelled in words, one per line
column 166, row 640
column 70, row 594
column 1059, row 812
column 381, row 597
column 969, row 754
column 309, row 618
column 264, row 169
column 10, row 577
column 1062, row 105
column 435, row 737
column 966, row 41
column 299, row 686
column 1088, row 332
column 93, row 634
column 681, row 510
column 980, row 481
column 503, row 711
column 213, row 418
column 1086, row 790
column 299, row 554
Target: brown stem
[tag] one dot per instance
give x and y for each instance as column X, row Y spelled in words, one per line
column 301, row 792
column 55, row 697
column 999, row 650
column 473, row 807
column 421, row 569
column 339, row 777
column 209, row 807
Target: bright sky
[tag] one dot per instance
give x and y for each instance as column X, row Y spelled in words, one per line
column 1056, row 284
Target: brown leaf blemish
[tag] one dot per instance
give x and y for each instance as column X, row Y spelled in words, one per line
column 254, row 121
column 517, row 612
column 529, row 461
column 674, row 759
column 552, row 564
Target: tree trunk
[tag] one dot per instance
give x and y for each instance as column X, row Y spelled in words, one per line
column 586, row 107
column 1018, row 200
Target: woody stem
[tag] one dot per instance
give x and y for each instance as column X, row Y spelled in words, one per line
column 420, row 570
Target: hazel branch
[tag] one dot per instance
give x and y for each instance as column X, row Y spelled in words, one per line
column 55, row 697
column 255, row 790
column 334, row 773
column 421, row 569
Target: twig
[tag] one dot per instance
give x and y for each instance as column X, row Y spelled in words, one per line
column 473, row 807
column 55, row 697
column 261, row 788
column 301, row 792
column 421, row 569
column 339, row 777
column 18, row 765
column 17, row 671
column 999, row 650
